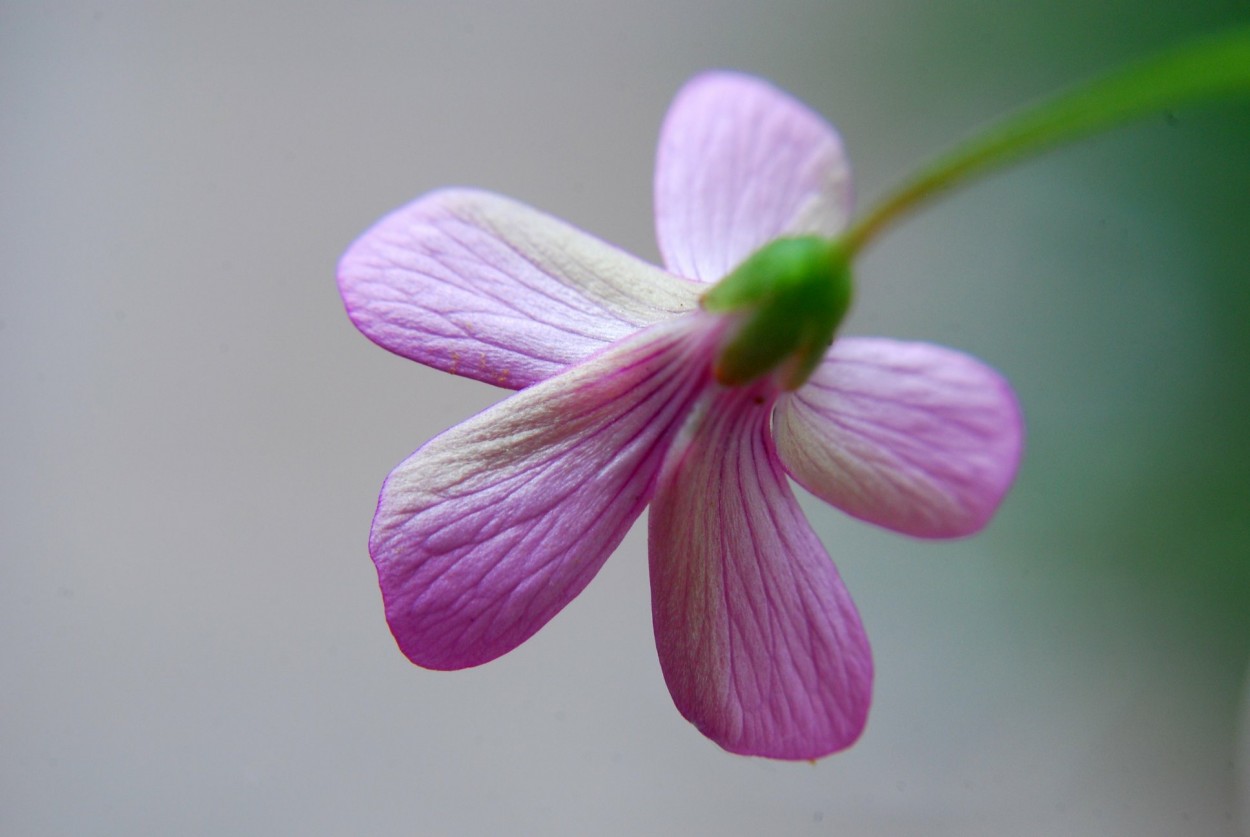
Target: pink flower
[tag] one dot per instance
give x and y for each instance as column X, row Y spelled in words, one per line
column 492, row 527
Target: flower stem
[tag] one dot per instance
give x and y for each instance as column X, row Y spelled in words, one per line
column 1211, row 68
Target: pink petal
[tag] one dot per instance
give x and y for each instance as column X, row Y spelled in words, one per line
column 913, row 437
column 760, row 644
column 478, row 285
column 488, row 530
column 740, row 163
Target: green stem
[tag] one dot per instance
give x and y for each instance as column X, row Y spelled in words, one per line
column 1210, row 68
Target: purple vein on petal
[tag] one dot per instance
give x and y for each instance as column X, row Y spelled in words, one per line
column 478, row 285
column 758, row 640
column 490, row 529
column 667, row 386
column 739, row 164
column 913, row 437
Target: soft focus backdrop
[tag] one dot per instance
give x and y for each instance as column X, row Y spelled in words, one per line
column 191, row 638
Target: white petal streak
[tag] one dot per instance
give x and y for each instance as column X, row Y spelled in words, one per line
column 478, row 285
column 488, row 530
column 913, row 437
column 760, row 644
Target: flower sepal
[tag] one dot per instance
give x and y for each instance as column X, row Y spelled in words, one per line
column 792, row 295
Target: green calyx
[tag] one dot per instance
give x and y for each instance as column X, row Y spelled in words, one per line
column 793, row 294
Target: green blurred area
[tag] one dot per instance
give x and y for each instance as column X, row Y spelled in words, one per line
column 1135, row 494
column 1111, row 281
column 1189, row 171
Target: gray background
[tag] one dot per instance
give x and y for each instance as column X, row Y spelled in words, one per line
column 191, row 638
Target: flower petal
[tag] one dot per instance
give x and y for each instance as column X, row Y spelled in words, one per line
column 913, row 437
column 489, row 529
column 478, row 285
column 740, row 163
column 760, row 644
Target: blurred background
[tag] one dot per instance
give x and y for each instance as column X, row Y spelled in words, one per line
column 193, row 435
